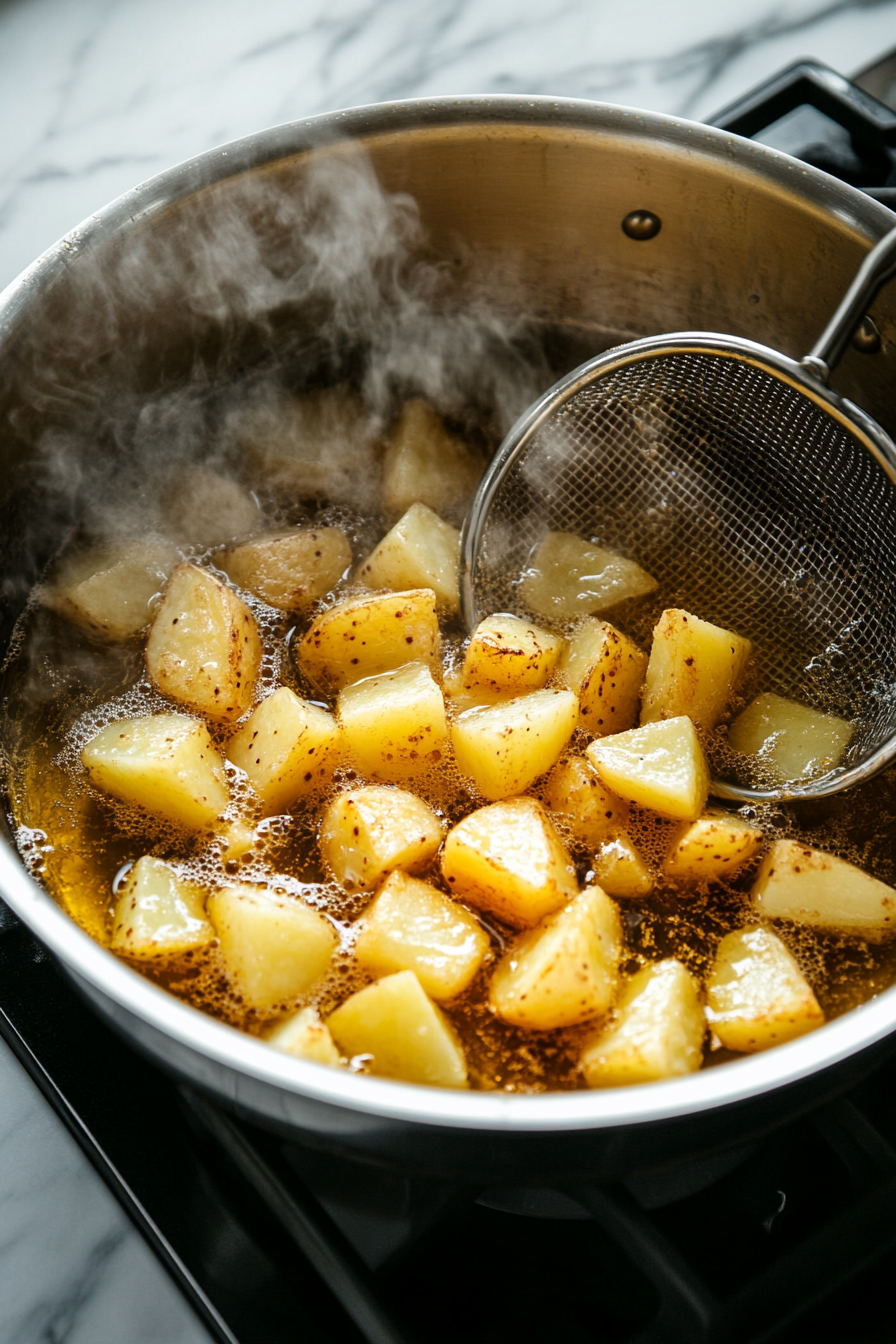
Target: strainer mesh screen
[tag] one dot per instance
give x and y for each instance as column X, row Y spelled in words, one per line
column 752, row 506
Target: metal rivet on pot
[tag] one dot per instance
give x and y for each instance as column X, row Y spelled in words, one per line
column 867, row 337
column 641, row 225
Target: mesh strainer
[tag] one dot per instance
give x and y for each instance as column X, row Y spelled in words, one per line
column 759, row 499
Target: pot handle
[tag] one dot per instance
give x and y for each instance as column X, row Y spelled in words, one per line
column 878, row 267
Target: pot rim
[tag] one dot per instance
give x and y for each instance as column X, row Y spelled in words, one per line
column 125, row 987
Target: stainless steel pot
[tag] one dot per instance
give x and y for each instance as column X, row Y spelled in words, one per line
column 535, row 190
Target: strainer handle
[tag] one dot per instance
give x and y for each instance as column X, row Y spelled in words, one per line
column 878, row 267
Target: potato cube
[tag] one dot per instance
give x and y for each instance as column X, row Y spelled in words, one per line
column 287, row 747
column 421, row 551
column 581, row 804
column 509, row 859
column 275, row 947
column 791, row 740
column 158, row 914
column 403, row 1031
column 756, row 995
column 163, row 762
column 112, row 592
column 657, row 1031
column 660, row 766
column 606, row 671
column 394, row 725
column 368, row 833
column 567, row 577
column 694, row 669
column 619, row 868
column 506, row 654
column 365, row 637
column 411, row 926
column 711, row 848
column 204, row 649
column 305, row 1036
column 201, row 508
column 289, row 569
column 504, row 747
column 565, row 970
column 424, row 464
column 796, row 882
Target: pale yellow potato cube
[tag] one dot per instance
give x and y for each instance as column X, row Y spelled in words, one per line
column 411, row 926
column 568, row 577
column 370, row 635
column 204, row 649
column 796, row 882
column 406, row 1035
column 503, row 748
column 711, row 848
column 112, row 592
column 165, row 763
column 656, row 1033
column 201, row 508
column 421, row 551
column 368, row 833
column 158, row 914
column 506, row 654
column 581, row 804
column 694, row 669
column 620, row 869
column 791, row 740
column 424, row 464
column 289, row 569
column 459, row 698
column 394, row 726
column 606, row 671
column 565, row 970
column 660, row 765
column 287, row 747
column 275, row 948
column 306, row 1037
column 508, row 858
column 756, row 995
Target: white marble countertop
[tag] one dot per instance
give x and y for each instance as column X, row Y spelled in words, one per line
column 96, row 95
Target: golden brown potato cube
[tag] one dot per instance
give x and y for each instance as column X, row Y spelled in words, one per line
column 201, row 508
column 657, row 1031
column 568, row 577
column 303, row 1035
column 370, row 635
column 504, row 747
column 791, row 740
column 112, row 592
column 287, row 747
column 711, row 848
column 619, row 868
column 411, row 926
column 421, row 551
column 796, row 882
column 404, row 1032
column 694, row 669
column 163, row 762
column 275, row 947
column 394, row 726
column 660, row 766
column 756, row 995
column 204, row 649
column 507, row 655
column 158, row 914
column 565, row 970
column 581, row 804
column 509, row 859
column 368, row 833
column 289, row 569
column 424, row 464
column 606, row 671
